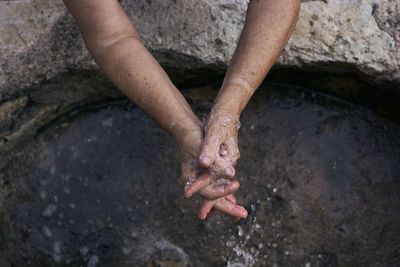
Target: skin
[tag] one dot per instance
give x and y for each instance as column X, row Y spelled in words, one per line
column 267, row 28
column 208, row 154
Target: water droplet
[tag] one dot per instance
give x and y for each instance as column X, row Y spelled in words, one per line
column 107, row 122
column 43, row 194
column 240, row 231
column 126, row 251
column 56, row 257
column 84, row 251
column 49, row 210
column 57, row 247
column 46, row 232
column 93, row 261
column 92, row 139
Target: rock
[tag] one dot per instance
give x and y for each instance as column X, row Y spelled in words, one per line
column 319, row 178
column 38, row 39
column 46, row 72
column 22, row 117
column 343, row 34
column 39, row 42
column 387, row 15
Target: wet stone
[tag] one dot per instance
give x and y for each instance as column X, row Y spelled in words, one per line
column 320, row 179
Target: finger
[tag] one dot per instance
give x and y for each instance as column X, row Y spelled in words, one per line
column 201, row 182
column 230, row 209
column 209, row 149
column 233, row 153
column 205, row 208
column 211, row 213
column 186, row 174
column 222, row 150
column 223, row 168
column 222, row 190
column 231, row 198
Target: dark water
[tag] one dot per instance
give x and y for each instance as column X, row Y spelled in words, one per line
column 319, row 177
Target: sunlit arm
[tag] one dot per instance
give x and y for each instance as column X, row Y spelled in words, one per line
column 116, row 47
column 267, row 28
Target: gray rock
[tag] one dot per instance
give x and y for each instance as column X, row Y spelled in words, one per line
column 342, row 32
column 38, row 38
column 319, row 178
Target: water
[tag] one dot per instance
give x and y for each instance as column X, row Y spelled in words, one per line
column 320, row 179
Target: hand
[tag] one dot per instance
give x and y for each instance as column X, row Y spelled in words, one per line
column 216, row 193
column 219, row 150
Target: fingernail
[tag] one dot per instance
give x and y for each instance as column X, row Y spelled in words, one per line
column 228, row 172
column 235, row 185
column 244, row 213
column 204, row 159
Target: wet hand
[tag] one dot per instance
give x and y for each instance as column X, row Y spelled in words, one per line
column 219, row 151
column 226, row 205
column 216, row 193
column 197, row 178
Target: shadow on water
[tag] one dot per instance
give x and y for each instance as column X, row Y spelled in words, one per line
column 319, row 177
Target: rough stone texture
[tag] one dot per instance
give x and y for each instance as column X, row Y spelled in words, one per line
column 345, row 33
column 319, row 177
column 387, row 16
column 45, row 72
column 22, row 117
column 38, row 38
column 40, row 43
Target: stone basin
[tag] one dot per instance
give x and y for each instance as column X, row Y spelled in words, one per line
column 320, row 178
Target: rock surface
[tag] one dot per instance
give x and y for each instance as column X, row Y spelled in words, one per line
column 46, row 71
column 38, row 38
column 319, row 177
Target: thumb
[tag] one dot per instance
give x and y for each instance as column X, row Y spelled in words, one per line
column 209, row 150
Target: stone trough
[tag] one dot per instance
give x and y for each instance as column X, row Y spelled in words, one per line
column 87, row 179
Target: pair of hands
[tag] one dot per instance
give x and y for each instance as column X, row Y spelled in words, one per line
column 208, row 155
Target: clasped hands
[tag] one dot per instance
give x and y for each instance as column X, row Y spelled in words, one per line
column 209, row 153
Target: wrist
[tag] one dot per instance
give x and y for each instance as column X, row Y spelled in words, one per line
column 185, row 130
column 232, row 99
column 226, row 108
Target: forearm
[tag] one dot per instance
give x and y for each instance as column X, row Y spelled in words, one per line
column 268, row 26
column 116, row 47
column 138, row 75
